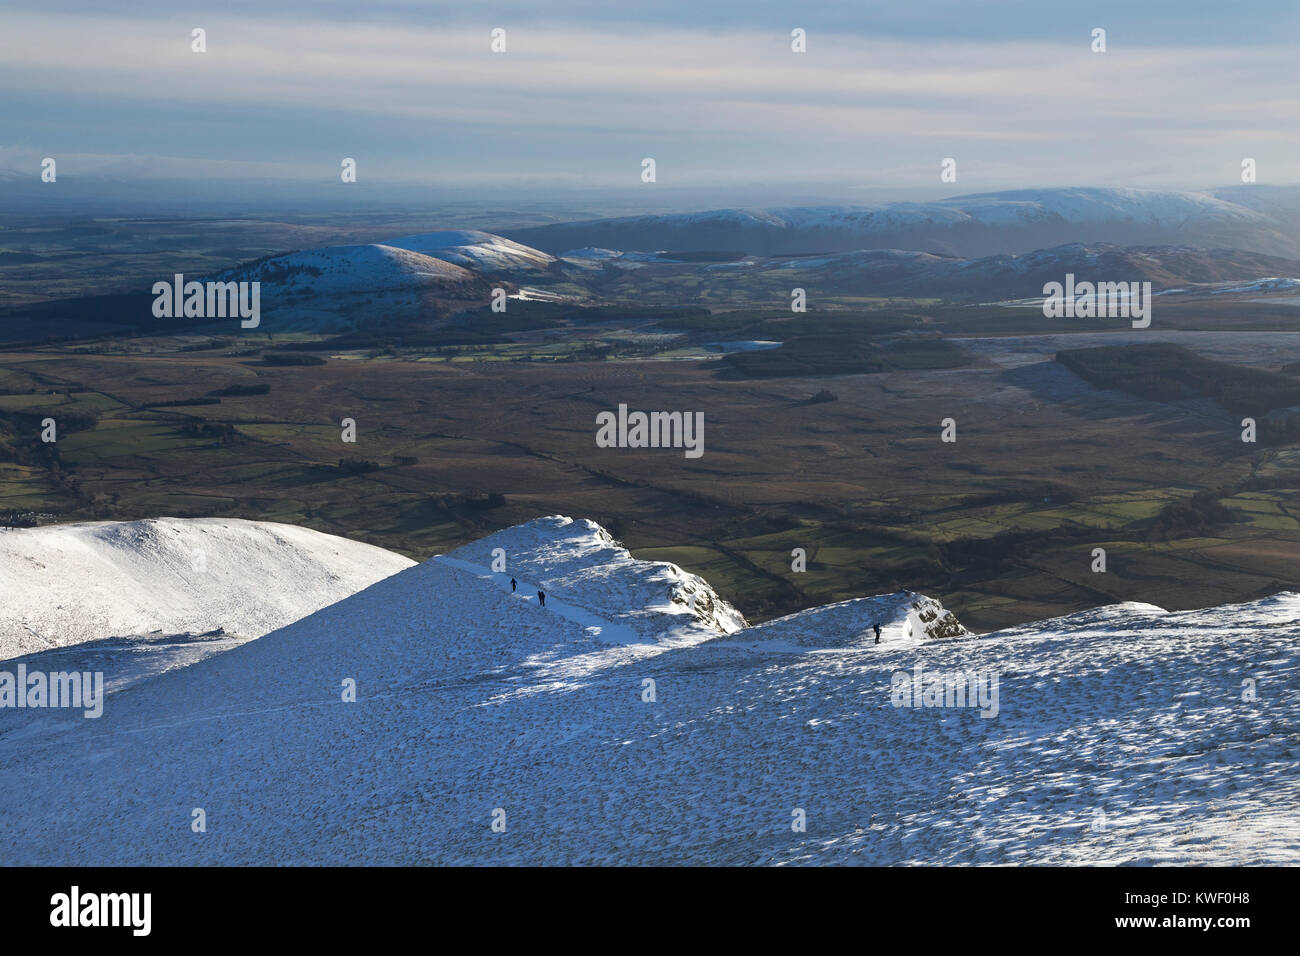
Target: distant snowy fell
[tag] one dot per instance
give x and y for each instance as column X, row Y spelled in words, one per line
column 969, row 225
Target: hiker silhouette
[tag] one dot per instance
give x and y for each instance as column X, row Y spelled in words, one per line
column 876, row 627
column 513, row 584
column 541, row 598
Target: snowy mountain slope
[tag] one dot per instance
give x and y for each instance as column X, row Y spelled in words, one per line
column 970, row 225
column 339, row 286
column 479, row 251
column 1101, row 205
column 1117, row 736
column 68, row 584
column 122, row 662
column 348, row 270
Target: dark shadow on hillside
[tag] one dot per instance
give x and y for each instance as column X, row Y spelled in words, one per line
column 1052, row 382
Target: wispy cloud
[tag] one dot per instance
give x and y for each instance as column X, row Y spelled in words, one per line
column 275, row 94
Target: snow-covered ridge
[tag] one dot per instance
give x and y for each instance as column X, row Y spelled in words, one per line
column 1100, row 205
column 478, row 250
column 72, row 583
column 1122, row 735
column 905, row 618
column 580, row 564
column 1078, row 205
column 971, row 225
column 346, row 270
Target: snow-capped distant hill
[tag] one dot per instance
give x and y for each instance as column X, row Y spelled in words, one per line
column 72, row 583
column 1150, row 206
column 340, row 286
column 972, row 225
column 348, row 270
column 481, row 251
column 1126, row 735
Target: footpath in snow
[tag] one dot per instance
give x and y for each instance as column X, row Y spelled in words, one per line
column 528, row 592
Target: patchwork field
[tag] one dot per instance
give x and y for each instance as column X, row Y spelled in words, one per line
column 454, row 442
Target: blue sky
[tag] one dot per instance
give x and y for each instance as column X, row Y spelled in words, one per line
column 711, row 90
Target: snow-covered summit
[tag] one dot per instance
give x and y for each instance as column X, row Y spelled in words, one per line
column 476, row 250
column 339, row 287
column 1092, row 205
column 349, row 270
column 70, row 583
column 580, row 564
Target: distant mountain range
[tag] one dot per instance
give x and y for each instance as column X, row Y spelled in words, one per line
column 342, row 286
column 1257, row 218
column 999, row 277
column 981, row 248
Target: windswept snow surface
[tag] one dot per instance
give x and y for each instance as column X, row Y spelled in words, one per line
column 72, row 583
column 1121, row 735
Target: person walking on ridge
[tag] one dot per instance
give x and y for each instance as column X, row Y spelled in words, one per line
column 513, row 584
column 541, row 598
